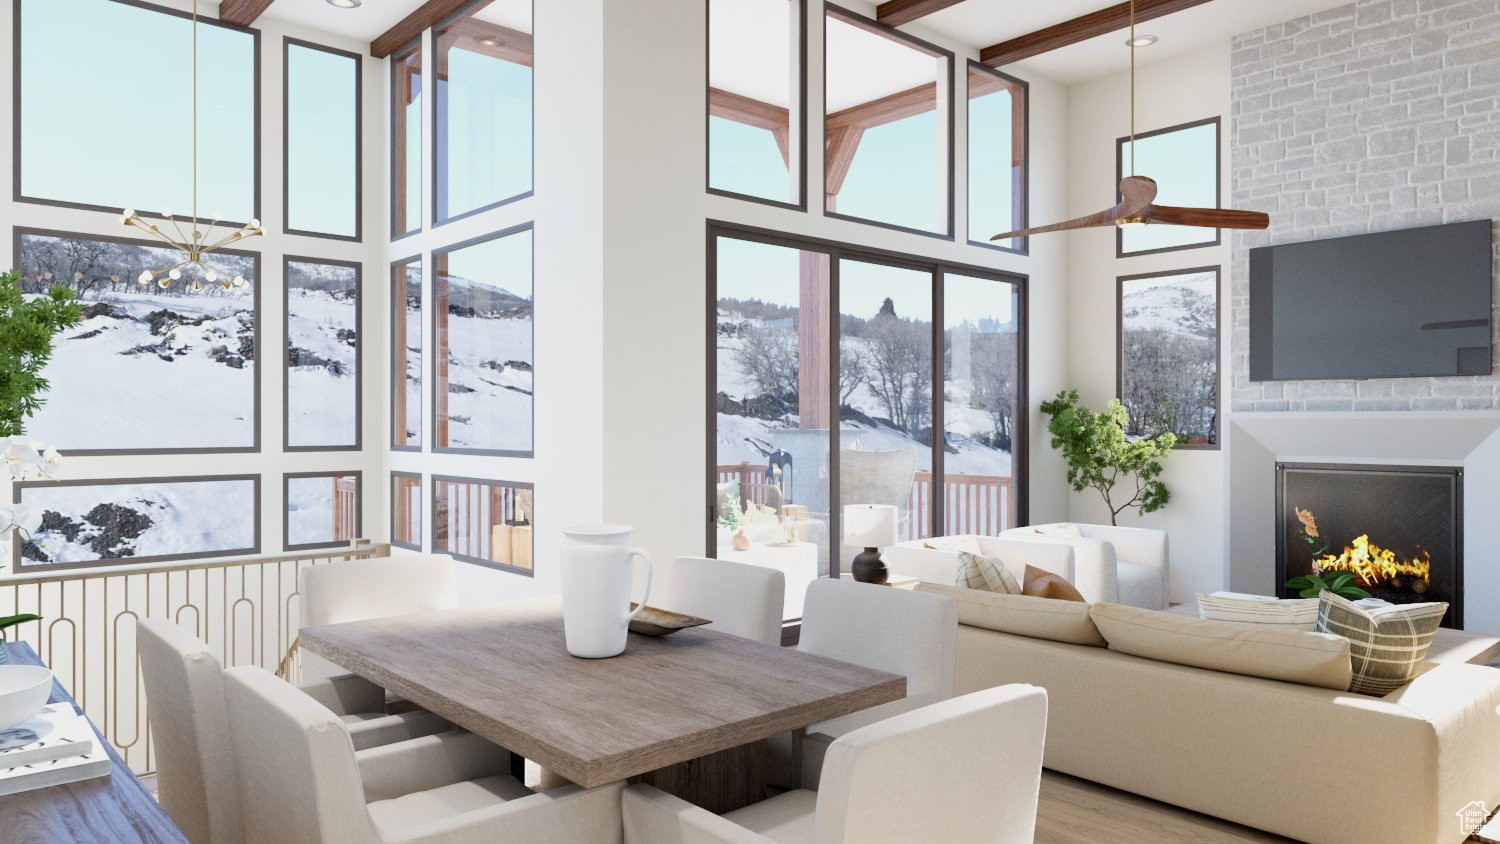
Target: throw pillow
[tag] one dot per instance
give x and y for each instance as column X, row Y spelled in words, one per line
column 1070, row 531
column 1294, row 614
column 1386, row 645
column 1045, row 584
column 987, row 573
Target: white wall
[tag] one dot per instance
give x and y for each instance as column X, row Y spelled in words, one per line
column 1168, row 93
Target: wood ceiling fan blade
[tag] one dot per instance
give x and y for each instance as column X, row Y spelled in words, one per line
column 1103, row 218
column 1210, row 218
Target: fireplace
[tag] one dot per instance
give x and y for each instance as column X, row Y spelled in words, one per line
column 1397, row 529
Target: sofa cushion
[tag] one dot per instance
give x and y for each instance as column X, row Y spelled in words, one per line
column 1045, row 584
column 976, row 571
column 1293, row 656
column 1022, row 615
column 1386, row 645
column 1070, row 531
column 1294, row 614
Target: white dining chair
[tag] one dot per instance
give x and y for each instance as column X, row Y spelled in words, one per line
column 895, row 630
column 195, row 768
column 739, row 598
column 378, row 587
column 961, row 771
column 302, row 781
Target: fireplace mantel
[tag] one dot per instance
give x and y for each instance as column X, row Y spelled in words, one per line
column 1255, row 442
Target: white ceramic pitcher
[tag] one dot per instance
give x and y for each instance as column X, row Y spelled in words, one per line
column 596, row 569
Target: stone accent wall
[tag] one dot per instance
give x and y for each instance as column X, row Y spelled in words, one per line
column 1378, row 115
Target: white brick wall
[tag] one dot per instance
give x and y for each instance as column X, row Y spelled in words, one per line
column 1379, row 115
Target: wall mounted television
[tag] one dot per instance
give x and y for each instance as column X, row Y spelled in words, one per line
column 1398, row 304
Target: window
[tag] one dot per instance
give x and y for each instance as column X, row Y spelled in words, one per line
column 323, row 380
column 772, row 410
column 983, row 403
column 483, row 522
column 887, row 126
column 321, row 141
column 112, row 131
column 776, row 377
column 406, row 355
column 885, row 387
column 139, row 520
column 406, row 510
column 483, row 118
column 322, row 509
column 482, row 325
column 1184, row 161
column 1169, row 355
column 755, row 114
column 406, row 139
column 997, row 157
column 148, row 370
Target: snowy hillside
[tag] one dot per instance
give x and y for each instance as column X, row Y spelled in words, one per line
column 106, row 522
column 321, row 355
column 489, row 390
column 1184, row 304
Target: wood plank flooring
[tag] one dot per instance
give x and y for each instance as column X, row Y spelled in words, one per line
column 1075, row 811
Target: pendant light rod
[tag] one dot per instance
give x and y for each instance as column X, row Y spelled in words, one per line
column 1132, row 86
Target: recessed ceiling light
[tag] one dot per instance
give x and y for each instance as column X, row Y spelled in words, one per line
column 490, row 41
column 345, row 4
column 1138, row 41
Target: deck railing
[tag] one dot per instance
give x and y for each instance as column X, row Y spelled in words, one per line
column 981, row 504
column 246, row 610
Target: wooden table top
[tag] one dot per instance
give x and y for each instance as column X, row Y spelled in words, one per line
column 502, row 671
column 113, row 808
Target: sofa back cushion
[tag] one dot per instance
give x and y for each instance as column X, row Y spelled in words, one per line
column 1043, row 584
column 1387, row 645
column 1022, row 615
column 1292, row 656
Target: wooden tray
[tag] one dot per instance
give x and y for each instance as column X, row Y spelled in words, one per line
column 655, row 622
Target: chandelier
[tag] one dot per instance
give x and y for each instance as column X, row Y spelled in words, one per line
column 197, row 242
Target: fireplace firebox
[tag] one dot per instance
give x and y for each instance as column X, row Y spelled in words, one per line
column 1397, row 529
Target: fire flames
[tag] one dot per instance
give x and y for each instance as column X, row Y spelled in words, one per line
column 1375, row 566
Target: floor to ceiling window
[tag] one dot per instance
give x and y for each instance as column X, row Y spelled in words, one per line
column 785, row 364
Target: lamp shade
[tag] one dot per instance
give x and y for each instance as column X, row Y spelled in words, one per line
column 871, row 525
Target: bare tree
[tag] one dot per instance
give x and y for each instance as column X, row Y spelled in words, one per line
column 852, row 369
column 994, row 374
column 900, row 369
column 769, row 356
column 1170, row 384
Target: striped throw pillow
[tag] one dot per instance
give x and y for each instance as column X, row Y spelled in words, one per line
column 1294, row 614
column 1386, row 645
column 987, row 573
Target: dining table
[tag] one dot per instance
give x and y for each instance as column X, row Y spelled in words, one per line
column 690, row 713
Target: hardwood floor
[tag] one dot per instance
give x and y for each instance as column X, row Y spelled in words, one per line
column 1075, row 811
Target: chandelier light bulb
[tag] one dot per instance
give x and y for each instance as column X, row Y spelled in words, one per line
column 197, row 285
column 167, row 212
column 164, row 283
column 175, row 275
column 239, row 281
column 144, row 277
column 253, row 224
column 211, row 276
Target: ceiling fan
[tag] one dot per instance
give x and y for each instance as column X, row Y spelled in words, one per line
column 1137, row 206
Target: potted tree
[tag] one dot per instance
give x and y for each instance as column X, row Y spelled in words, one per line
column 1101, row 457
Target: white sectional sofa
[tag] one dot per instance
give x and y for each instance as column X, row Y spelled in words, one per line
column 1132, row 561
column 935, row 560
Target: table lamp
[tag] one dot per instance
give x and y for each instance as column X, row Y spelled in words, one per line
column 872, row 527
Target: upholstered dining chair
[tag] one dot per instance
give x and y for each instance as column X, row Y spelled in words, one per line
column 195, row 768
column 961, row 771
column 379, row 587
column 739, row 598
column 302, row 781
column 880, row 627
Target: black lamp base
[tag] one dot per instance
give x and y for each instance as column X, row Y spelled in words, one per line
column 868, row 567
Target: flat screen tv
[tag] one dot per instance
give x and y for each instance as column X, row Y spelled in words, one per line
column 1396, row 304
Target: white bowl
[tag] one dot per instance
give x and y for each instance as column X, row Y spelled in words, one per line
column 24, row 690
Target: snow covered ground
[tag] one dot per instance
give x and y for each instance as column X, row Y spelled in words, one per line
column 490, row 382
column 309, row 510
column 321, row 388
column 1183, row 304
column 83, row 523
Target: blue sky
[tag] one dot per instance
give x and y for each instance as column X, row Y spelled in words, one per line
column 321, row 140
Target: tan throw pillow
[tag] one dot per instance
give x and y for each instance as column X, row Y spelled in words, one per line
column 1292, row 656
column 987, row 573
column 1386, row 645
column 1021, row 615
column 1293, row 614
column 1045, row 584
column 1070, row 531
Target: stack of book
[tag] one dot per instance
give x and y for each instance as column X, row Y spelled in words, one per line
column 55, row 746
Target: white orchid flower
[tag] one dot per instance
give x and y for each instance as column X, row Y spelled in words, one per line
column 24, row 462
column 25, row 518
column 51, row 462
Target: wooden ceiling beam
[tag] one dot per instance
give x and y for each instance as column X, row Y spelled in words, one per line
column 425, row 17
column 887, row 109
column 898, row 12
column 489, row 39
column 1092, row 25
column 242, row 12
column 747, row 110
